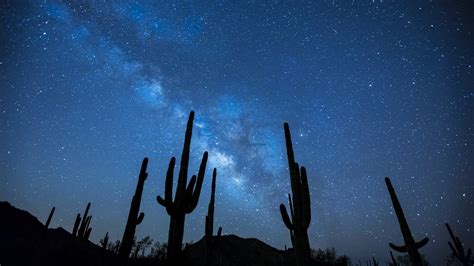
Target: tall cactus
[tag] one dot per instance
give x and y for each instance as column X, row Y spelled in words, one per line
column 49, row 217
column 458, row 249
column 211, row 241
column 410, row 245
column 82, row 229
column 301, row 208
column 186, row 198
column 134, row 218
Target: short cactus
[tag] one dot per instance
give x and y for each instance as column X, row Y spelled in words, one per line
column 50, row 217
column 410, row 245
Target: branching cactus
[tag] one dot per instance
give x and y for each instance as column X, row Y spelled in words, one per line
column 49, row 217
column 458, row 249
column 134, row 218
column 300, row 210
column 82, row 229
column 410, row 246
column 186, row 198
column 211, row 240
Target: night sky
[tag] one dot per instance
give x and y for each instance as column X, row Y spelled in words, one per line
column 370, row 89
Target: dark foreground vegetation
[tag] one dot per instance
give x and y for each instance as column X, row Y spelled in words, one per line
column 26, row 241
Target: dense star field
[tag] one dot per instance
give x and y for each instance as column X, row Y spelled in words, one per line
column 370, row 89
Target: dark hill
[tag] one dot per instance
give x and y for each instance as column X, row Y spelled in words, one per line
column 234, row 250
column 25, row 241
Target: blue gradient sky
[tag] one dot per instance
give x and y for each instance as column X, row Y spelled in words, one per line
column 370, row 89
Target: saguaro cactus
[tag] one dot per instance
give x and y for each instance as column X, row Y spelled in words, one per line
column 300, row 210
column 410, row 245
column 186, row 198
column 458, row 249
column 49, row 217
column 211, row 241
column 84, row 230
column 134, row 218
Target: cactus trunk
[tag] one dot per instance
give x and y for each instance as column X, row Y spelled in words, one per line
column 211, row 241
column 134, row 218
column 186, row 198
column 300, row 208
column 410, row 245
column 49, row 217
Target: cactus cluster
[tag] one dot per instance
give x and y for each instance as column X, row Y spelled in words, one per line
column 134, row 218
column 82, row 229
column 458, row 249
column 300, row 208
column 411, row 247
column 297, row 220
column 186, row 198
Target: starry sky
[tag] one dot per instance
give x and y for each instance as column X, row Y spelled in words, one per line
column 370, row 89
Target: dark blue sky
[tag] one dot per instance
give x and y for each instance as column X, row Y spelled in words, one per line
column 370, row 89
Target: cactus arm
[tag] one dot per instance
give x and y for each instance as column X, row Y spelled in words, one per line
column 306, row 202
column 192, row 203
column 286, row 218
column 140, row 218
column 190, row 188
column 167, row 202
column 459, row 247
column 87, row 234
column 219, row 232
column 401, row 249
column 421, row 243
column 290, row 203
column 455, row 253
column 82, row 228
column 161, row 201
column 76, row 224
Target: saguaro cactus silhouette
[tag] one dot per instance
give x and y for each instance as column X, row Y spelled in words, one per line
column 410, row 245
column 84, row 230
column 300, row 210
column 186, row 198
column 49, row 217
column 211, row 241
column 458, row 249
column 134, row 218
